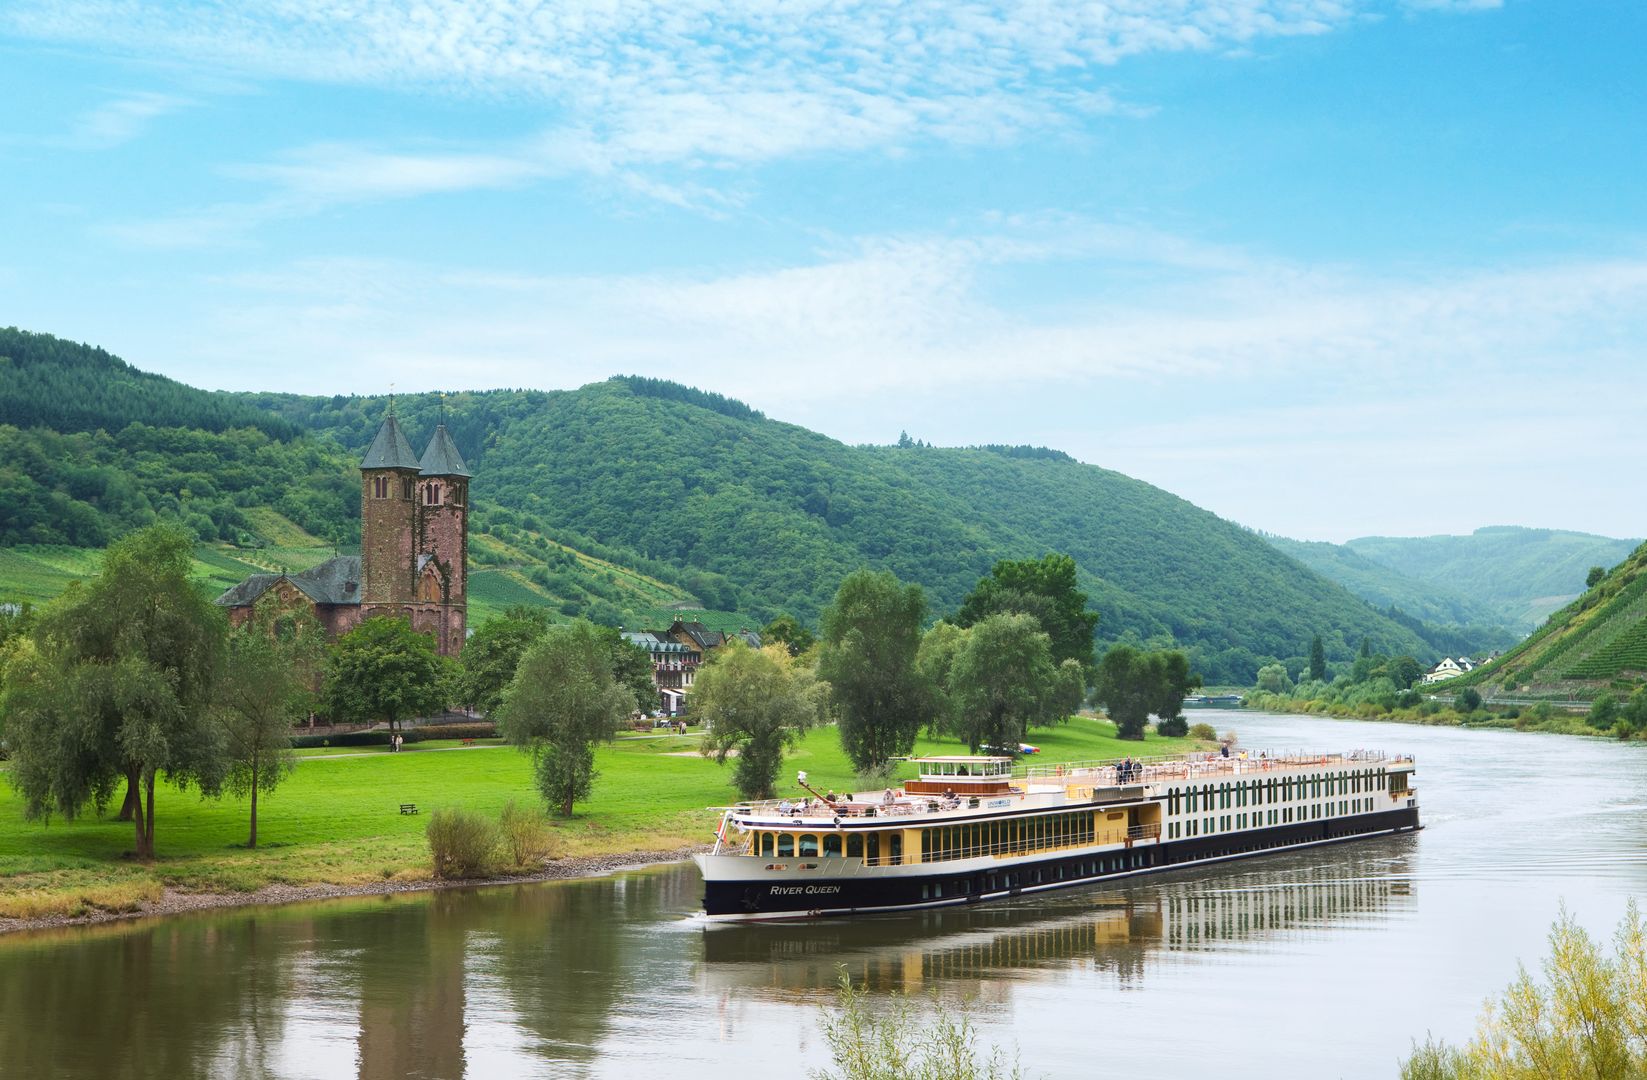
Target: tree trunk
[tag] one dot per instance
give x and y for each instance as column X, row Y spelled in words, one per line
column 566, row 806
column 147, row 854
column 130, row 804
column 140, row 824
column 251, row 841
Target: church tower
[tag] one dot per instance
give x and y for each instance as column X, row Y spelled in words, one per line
column 443, row 539
column 388, row 520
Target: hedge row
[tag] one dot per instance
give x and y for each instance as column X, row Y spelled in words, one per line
column 482, row 730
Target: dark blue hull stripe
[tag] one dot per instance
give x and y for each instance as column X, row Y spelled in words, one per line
column 944, row 886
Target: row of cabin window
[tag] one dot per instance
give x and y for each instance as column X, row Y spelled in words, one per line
column 874, row 848
column 1241, row 793
column 944, row 843
column 1010, row 836
column 1178, row 830
column 431, row 493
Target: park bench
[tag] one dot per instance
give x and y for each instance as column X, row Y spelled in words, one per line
column 408, row 808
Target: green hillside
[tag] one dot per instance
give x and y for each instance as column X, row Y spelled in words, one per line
column 757, row 516
column 1449, row 621
column 1596, row 643
column 628, row 499
column 1522, row 575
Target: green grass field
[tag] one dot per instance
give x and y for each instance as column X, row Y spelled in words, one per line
column 337, row 819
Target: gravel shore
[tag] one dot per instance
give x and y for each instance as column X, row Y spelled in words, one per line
column 177, row 902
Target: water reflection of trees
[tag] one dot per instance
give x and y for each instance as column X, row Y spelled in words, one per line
column 1118, row 929
column 180, row 1000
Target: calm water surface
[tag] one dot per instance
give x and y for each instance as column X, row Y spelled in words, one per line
column 1320, row 963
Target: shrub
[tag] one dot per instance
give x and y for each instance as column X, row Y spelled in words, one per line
column 525, row 834
column 893, row 1039
column 1177, row 727
column 1582, row 1019
column 1469, row 699
column 1204, row 732
column 479, row 729
column 348, row 738
column 1604, row 712
column 461, row 843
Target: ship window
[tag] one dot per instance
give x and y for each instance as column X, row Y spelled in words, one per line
column 832, row 844
column 786, row 845
column 854, row 846
column 766, row 843
column 896, row 848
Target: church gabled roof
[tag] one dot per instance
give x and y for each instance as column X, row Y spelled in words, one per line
column 390, row 450
column 442, row 457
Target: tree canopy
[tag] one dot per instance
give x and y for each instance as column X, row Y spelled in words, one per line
column 871, row 634
column 117, row 683
column 270, row 672
column 1003, row 681
column 562, row 701
column 384, row 671
column 1045, row 588
column 1132, row 684
column 756, row 703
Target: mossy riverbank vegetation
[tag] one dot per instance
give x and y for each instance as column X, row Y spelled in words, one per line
column 336, row 820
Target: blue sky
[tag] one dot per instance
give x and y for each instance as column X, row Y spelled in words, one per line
column 1325, row 267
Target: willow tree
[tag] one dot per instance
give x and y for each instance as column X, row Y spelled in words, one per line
column 563, row 700
column 756, row 702
column 117, row 683
column 1003, row 681
column 871, row 634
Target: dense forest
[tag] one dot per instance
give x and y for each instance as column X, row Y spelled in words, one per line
column 637, row 488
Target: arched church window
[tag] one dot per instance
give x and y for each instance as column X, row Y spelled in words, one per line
column 380, row 487
column 406, row 487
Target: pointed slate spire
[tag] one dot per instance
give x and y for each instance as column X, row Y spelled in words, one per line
column 390, row 450
column 442, row 457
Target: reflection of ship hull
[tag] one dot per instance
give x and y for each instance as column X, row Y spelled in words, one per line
column 811, row 889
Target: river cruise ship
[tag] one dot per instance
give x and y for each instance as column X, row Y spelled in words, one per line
column 971, row 829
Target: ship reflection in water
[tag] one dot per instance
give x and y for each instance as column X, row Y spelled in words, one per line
column 1120, row 929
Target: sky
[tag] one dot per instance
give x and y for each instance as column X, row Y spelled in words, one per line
column 1328, row 268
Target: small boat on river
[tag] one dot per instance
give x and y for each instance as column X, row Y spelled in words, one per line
column 971, row 829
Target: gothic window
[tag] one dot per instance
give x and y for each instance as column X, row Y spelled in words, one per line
column 380, row 487
column 431, row 494
column 406, row 487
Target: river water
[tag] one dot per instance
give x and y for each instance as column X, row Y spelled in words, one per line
column 1320, row 963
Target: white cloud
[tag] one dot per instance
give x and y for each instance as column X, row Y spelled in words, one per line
column 703, row 80
column 921, row 314
column 119, row 120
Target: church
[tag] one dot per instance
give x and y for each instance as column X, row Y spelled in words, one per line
column 414, row 549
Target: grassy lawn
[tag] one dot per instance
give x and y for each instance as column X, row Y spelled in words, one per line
column 336, row 819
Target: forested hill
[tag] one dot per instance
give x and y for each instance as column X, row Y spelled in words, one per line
column 68, row 387
column 1521, row 574
column 658, row 487
column 665, row 476
column 1454, row 623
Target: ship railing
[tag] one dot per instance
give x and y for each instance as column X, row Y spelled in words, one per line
column 1148, row 770
column 1144, row 832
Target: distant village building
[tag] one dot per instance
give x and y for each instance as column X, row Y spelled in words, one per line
column 414, row 544
column 677, row 654
column 1449, row 668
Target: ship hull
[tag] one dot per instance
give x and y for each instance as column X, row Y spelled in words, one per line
column 823, row 888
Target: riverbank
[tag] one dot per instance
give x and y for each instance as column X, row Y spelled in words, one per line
column 1552, row 720
column 172, row 901
column 335, row 826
